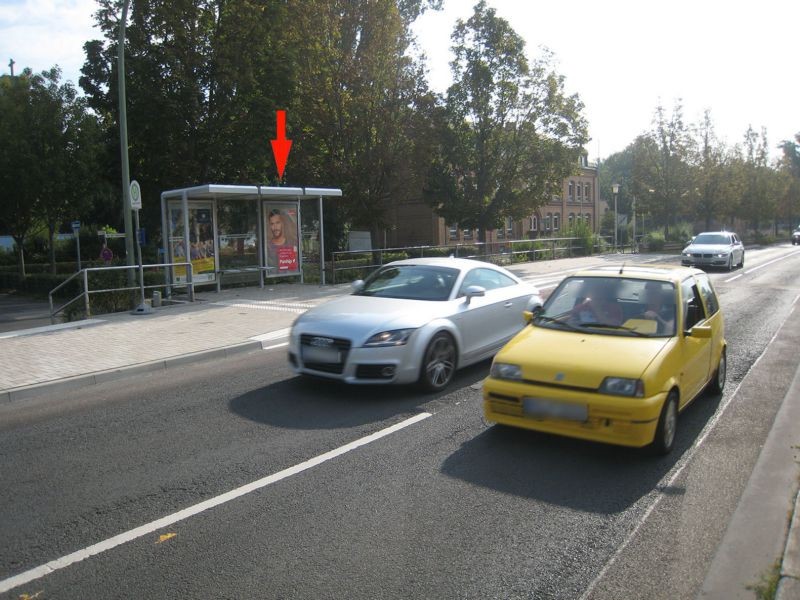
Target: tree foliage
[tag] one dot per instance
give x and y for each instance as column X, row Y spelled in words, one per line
column 509, row 133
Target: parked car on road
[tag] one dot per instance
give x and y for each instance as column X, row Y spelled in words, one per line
column 714, row 249
column 796, row 237
column 414, row 320
column 613, row 356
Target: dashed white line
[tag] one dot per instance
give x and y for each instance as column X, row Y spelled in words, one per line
column 70, row 559
column 734, row 278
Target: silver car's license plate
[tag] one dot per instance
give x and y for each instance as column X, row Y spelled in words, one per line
column 321, row 355
column 543, row 408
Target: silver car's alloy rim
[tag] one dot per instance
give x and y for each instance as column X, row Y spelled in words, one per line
column 440, row 361
column 670, row 419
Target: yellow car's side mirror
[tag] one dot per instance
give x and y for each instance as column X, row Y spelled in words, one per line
column 528, row 316
column 701, row 331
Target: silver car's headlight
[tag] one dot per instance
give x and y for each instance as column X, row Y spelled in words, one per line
column 620, row 386
column 398, row 337
column 506, row 371
column 686, row 254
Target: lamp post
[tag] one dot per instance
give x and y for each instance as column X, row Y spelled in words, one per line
column 123, row 144
column 615, row 190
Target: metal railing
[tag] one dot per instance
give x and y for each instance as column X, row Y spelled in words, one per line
column 500, row 252
column 86, row 292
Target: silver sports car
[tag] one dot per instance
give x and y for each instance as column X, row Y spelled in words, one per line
column 411, row 321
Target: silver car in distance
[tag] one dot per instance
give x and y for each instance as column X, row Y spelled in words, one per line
column 415, row 320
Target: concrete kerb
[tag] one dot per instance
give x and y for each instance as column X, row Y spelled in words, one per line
column 80, row 381
column 789, row 584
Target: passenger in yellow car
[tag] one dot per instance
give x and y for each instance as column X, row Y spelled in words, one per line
column 599, row 304
column 660, row 305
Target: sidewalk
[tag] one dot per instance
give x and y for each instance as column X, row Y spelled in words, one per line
column 761, row 546
column 73, row 355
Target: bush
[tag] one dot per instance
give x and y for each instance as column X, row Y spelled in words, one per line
column 681, row 232
column 655, row 241
column 763, row 239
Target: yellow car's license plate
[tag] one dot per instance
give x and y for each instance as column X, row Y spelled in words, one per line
column 544, row 408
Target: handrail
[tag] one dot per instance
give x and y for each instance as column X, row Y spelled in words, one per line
column 86, row 292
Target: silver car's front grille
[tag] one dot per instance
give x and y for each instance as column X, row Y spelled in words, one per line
column 323, row 353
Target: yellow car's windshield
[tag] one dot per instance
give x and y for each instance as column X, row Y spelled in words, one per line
column 611, row 306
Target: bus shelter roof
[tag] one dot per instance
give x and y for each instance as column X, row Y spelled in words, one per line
column 250, row 192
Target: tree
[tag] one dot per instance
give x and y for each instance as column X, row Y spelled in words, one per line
column 359, row 108
column 711, row 184
column 21, row 146
column 203, row 82
column 790, row 168
column 661, row 165
column 510, row 133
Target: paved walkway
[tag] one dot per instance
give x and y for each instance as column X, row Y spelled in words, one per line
column 45, row 359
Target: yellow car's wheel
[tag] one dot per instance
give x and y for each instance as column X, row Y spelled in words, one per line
column 717, row 383
column 667, row 425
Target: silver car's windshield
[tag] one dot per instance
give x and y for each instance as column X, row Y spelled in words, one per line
column 712, row 239
column 611, row 306
column 411, row 282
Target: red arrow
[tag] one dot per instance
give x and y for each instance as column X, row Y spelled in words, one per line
column 281, row 146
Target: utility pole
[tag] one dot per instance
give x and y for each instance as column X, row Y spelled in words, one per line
column 123, row 144
column 11, row 64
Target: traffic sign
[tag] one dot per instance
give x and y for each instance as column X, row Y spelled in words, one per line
column 136, row 195
column 76, row 226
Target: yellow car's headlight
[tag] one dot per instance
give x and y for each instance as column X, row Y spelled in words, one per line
column 506, row 371
column 620, row 386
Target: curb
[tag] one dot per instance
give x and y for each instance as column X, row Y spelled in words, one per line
column 789, row 584
column 80, row 381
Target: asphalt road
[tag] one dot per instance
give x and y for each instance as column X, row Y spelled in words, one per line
column 445, row 507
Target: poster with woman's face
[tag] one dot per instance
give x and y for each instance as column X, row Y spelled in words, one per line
column 282, row 235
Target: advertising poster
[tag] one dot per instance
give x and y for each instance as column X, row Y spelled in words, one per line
column 201, row 242
column 282, row 235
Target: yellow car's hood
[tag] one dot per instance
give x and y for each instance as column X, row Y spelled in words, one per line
column 583, row 360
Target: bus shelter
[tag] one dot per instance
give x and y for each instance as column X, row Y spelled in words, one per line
column 235, row 228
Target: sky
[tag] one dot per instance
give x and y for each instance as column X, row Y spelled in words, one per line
column 622, row 57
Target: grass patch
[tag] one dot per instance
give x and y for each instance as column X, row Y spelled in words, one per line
column 767, row 585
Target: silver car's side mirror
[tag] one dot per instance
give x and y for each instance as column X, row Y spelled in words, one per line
column 357, row 285
column 474, row 291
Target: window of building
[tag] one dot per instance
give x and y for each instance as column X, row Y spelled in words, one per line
column 556, row 219
column 588, row 218
column 452, row 233
column 501, row 233
column 548, row 221
column 509, row 229
column 571, row 193
column 571, row 220
column 579, row 192
column 467, row 233
column 587, row 191
column 534, row 223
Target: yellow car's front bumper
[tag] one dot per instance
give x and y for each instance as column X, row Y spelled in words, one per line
column 610, row 419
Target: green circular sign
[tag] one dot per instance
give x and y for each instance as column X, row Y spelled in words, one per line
column 136, row 195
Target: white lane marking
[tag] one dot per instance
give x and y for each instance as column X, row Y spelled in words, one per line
column 774, row 260
column 263, row 347
column 122, row 538
column 272, row 335
column 734, row 278
column 679, row 467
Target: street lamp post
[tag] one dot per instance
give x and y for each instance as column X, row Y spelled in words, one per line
column 615, row 189
column 123, row 144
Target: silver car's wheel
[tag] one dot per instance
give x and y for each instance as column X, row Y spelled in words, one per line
column 439, row 363
column 730, row 262
column 741, row 261
column 667, row 426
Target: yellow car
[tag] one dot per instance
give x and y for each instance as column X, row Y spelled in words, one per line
column 613, row 356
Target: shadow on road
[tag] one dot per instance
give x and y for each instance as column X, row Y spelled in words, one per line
column 580, row 475
column 308, row 403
